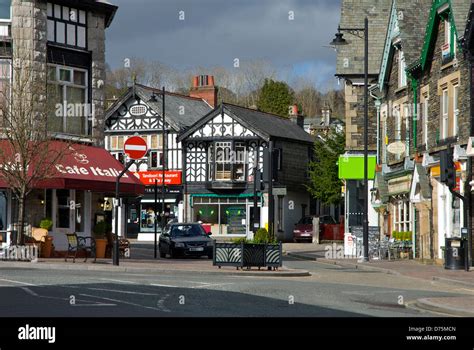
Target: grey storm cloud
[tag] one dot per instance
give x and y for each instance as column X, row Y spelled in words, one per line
column 215, row 32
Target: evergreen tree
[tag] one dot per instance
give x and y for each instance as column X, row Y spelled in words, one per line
column 275, row 97
column 325, row 184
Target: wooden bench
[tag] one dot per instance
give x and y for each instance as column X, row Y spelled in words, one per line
column 77, row 243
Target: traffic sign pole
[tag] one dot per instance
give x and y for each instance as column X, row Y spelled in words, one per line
column 135, row 148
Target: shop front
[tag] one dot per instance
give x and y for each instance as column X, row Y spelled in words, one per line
column 224, row 214
column 73, row 197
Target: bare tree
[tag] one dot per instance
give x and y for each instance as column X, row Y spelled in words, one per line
column 27, row 156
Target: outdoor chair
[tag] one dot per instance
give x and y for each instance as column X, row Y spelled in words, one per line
column 77, row 243
column 124, row 244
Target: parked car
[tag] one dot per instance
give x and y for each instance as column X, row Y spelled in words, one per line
column 303, row 231
column 185, row 239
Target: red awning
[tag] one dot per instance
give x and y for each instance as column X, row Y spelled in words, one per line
column 81, row 167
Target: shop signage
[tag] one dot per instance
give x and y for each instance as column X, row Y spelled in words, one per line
column 149, row 177
column 399, row 185
column 279, row 191
column 397, row 147
column 435, row 171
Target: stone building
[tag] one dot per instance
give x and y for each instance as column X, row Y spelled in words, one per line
column 350, row 69
column 62, row 44
column 396, row 117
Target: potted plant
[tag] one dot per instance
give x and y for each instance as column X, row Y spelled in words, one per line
column 100, row 231
column 46, row 224
column 47, row 244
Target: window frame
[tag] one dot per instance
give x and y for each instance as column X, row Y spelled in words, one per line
column 444, row 127
column 71, row 84
column 232, row 162
column 402, row 76
column 55, row 20
column 455, row 105
column 159, row 158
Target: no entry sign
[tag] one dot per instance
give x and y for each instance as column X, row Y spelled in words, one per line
column 135, row 147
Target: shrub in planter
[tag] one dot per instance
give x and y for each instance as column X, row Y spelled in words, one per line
column 46, row 224
column 262, row 236
column 100, row 231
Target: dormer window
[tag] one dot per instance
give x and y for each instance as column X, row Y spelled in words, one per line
column 67, row 26
column 402, row 75
column 448, row 50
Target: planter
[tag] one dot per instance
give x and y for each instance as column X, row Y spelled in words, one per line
column 247, row 255
column 47, row 247
column 100, row 246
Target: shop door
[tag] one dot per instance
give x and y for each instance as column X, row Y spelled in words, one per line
column 64, row 213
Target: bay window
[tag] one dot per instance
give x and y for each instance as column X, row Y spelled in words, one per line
column 67, row 89
column 402, row 216
column 229, row 161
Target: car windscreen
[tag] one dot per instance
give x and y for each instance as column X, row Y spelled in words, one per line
column 307, row 220
column 187, row 231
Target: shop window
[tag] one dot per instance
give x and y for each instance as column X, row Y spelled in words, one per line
column 79, row 208
column 3, row 210
column 402, row 216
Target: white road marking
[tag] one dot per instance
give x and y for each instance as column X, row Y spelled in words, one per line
column 98, row 304
column 123, row 302
column 29, row 291
column 161, row 303
column 17, row 282
column 212, row 285
column 164, row 285
column 120, row 291
column 114, row 280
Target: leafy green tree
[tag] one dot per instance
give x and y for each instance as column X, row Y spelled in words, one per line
column 325, row 184
column 275, row 97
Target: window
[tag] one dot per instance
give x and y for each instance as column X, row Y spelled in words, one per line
column 398, row 123
column 455, row 110
column 223, row 162
column 67, row 89
column 425, row 120
column 116, row 143
column 229, row 161
column 156, row 159
column 5, row 9
column 67, row 26
column 402, row 221
column 5, row 80
column 156, row 142
column 402, row 76
column 120, row 156
column 444, row 114
column 63, row 212
column 448, row 50
column 407, row 115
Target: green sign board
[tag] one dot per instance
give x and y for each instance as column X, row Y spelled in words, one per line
column 351, row 167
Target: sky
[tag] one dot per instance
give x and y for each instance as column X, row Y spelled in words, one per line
column 292, row 34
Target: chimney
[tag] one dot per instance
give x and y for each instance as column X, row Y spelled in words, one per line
column 203, row 87
column 295, row 116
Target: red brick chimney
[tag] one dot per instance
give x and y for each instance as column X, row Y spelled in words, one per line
column 203, row 87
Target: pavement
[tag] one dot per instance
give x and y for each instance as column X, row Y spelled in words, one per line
column 455, row 306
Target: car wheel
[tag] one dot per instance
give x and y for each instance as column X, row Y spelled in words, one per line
column 172, row 253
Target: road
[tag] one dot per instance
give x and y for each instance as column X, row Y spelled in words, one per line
column 330, row 291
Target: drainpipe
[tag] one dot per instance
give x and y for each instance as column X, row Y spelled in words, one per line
column 377, row 103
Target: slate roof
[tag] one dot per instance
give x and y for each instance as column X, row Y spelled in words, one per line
column 460, row 10
column 353, row 13
column 264, row 124
column 194, row 108
column 412, row 26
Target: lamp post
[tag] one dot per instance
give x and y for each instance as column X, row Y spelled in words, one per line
column 338, row 41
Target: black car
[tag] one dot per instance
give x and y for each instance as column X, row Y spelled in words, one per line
column 185, row 239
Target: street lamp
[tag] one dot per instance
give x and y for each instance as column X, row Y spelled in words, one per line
column 338, row 41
